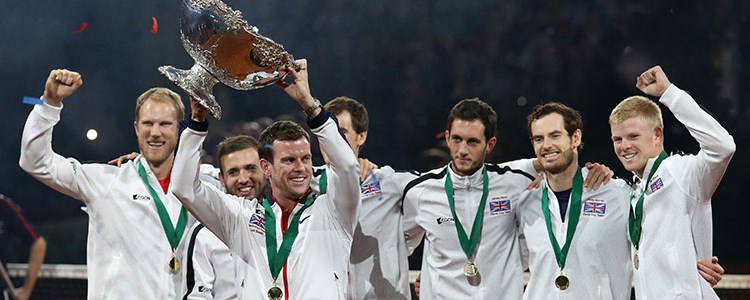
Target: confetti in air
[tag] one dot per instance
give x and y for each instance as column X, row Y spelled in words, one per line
column 82, row 28
column 154, row 26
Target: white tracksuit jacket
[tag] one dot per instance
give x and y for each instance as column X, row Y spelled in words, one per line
column 598, row 262
column 498, row 257
column 379, row 268
column 318, row 262
column 127, row 249
column 677, row 229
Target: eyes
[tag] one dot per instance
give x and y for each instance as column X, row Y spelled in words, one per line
column 470, row 141
column 234, row 172
column 149, row 123
column 290, row 160
column 538, row 139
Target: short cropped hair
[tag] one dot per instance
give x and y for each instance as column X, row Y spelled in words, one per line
column 357, row 110
column 279, row 131
column 160, row 94
column 571, row 118
column 233, row 144
column 637, row 106
column 474, row 109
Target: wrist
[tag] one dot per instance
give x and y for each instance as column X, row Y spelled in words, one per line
column 313, row 108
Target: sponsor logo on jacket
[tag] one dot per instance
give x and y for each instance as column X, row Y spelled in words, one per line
column 445, row 221
column 594, row 207
column 499, row 205
column 141, row 197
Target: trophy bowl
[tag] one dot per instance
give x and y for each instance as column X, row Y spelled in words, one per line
column 226, row 49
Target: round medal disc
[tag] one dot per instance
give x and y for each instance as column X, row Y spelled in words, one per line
column 562, row 282
column 636, row 261
column 275, row 293
column 470, row 269
column 174, row 265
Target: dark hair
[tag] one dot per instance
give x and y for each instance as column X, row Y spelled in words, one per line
column 233, row 144
column 358, row 112
column 279, row 131
column 571, row 117
column 474, row 109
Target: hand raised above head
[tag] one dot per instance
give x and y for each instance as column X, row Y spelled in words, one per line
column 653, row 82
column 299, row 88
column 61, row 83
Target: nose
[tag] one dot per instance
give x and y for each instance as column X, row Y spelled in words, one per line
column 244, row 177
column 463, row 149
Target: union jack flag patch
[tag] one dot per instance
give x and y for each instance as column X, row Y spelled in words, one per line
column 656, row 184
column 499, row 206
column 257, row 223
column 594, row 207
column 371, row 189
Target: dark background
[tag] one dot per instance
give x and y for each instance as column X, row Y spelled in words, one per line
column 408, row 61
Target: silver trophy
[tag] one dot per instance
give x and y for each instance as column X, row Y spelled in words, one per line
column 225, row 48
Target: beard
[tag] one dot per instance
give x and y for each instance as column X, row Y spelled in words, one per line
column 561, row 164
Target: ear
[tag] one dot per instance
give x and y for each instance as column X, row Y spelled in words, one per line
column 221, row 179
column 447, row 136
column 658, row 135
column 135, row 126
column 491, row 145
column 362, row 138
column 576, row 138
column 266, row 166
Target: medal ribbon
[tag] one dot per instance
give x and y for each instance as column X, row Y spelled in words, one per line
column 323, row 183
column 636, row 217
column 277, row 258
column 575, row 213
column 468, row 244
column 174, row 234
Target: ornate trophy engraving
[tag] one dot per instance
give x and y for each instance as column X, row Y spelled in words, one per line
column 225, row 48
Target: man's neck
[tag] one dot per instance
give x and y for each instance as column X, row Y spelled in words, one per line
column 287, row 205
column 642, row 171
column 564, row 180
column 162, row 171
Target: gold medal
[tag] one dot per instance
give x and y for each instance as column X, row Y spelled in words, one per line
column 562, row 282
column 636, row 261
column 174, row 264
column 274, row 293
column 470, row 269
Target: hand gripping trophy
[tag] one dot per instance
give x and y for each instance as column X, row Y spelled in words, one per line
column 225, row 48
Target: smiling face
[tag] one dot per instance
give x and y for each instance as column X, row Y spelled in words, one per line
column 355, row 140
column 241, row 174
column 635, row 142
column 468, row 146
column 555, row 148
column 157, row 131
column 291, row 169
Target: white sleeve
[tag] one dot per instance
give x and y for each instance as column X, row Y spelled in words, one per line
column 67, row 176
column 702, row 175
column 219, row 212
column 412, row 231
column 343, row 177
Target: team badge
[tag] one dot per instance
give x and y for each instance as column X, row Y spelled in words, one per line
column 656, row 184
column 371, row 189
column 499, row 205
column 257, row 223
column 594, row 207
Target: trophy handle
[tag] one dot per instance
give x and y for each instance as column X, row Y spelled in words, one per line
column 198, row 83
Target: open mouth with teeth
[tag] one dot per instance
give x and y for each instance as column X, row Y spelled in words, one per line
column 550, row 156
column 156, row 144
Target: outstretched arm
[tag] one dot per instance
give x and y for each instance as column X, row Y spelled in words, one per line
column 36, row 258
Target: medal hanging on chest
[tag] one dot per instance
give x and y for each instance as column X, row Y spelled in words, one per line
column 174, row 234
column 562, row 282
column 174, row 264
column 277, row 257
column 635, row 218
column 468, row 244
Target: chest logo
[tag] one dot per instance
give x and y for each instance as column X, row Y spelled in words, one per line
column 257, row 223
column 371, row 189
column 499, row 205
column 445, row 220
column 594, row 207
column 656, row 184
column 141, row 197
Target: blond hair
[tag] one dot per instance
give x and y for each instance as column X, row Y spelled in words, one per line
column 161, row 94
column 637, row 106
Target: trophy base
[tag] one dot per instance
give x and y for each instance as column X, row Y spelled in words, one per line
column 198, row 83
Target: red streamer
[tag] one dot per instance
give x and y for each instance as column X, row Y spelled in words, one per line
column 154, row 26
column 82, row 28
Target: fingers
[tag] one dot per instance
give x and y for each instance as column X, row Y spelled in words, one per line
column 598, row 175
column 535, row 184
column 67, row 77
column 709, row 272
